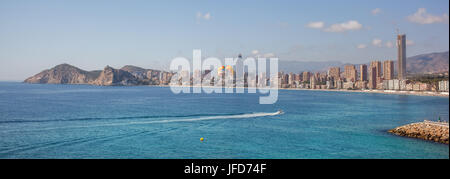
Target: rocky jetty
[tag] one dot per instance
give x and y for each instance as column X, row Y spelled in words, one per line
column 427, row 130
column 126, row 76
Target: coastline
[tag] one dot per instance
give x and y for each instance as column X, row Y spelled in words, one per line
column 415, row 93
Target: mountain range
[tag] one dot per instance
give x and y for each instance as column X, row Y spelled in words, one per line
column 428, row 63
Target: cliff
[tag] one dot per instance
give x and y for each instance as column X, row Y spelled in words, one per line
column 115, row 77
column 126, row 76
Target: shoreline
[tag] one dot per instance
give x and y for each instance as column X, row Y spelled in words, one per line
column 415, row 93
column 392, row 92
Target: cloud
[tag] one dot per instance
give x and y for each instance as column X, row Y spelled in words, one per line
column 206, row 16
column 361, row 46
column 422, row 17
column 255, row 52
column 316, row 25
column 389, row 44
column 376, row 42
column 376, row 11
column 346, row 26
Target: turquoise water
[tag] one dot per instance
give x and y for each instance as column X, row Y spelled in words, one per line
column 78, row 121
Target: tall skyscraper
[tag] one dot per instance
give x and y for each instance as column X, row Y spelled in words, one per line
column 388, row 70
column 350, row 73
column 401, row 46
column 363, row 71
column 372, row 77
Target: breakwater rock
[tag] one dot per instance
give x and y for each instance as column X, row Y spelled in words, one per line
column 427, row 130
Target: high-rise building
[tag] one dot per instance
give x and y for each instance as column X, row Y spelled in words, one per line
column 363, row 71
column 317, row 76
column 388, row 70
column 297, row 77
column 334, row 72
column 350, row 73
column 372, row 77
column 376, row 73
column 291, row 79
column 313, row 82
column 285, row 79
column 377, row 65
column 401, row 47
column 323, row 77
column 306, row 76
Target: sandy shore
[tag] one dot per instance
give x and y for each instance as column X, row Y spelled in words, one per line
column 417, row 93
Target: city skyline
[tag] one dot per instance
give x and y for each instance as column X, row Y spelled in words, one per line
column 150, row 34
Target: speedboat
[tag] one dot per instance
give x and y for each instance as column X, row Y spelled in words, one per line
column 279, row 112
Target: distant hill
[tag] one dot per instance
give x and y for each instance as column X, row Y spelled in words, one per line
column 64, row 74
column 428, row 63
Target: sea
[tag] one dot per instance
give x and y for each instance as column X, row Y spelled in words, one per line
column 81, row 121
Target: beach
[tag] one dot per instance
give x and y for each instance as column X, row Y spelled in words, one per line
column 416, row 93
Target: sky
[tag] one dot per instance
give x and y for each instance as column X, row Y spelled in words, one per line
column 90, row 34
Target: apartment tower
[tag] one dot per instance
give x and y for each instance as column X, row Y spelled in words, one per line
column 388, row 70
column 401, row 47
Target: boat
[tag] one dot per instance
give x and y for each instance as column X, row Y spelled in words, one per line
column 279, row 112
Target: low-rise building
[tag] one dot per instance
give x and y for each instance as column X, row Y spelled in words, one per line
column 403, row 84
column 425, row 87
column 339, row 84
column 409, row 86
column 361, row 84
column 443, row 86
column 396, row 84
column 348, row 85
column 330, row 84
column 416, row 87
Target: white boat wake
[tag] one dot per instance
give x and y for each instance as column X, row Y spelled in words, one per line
column 238, row 116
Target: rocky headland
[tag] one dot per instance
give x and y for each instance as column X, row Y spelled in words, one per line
column 126, row 76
